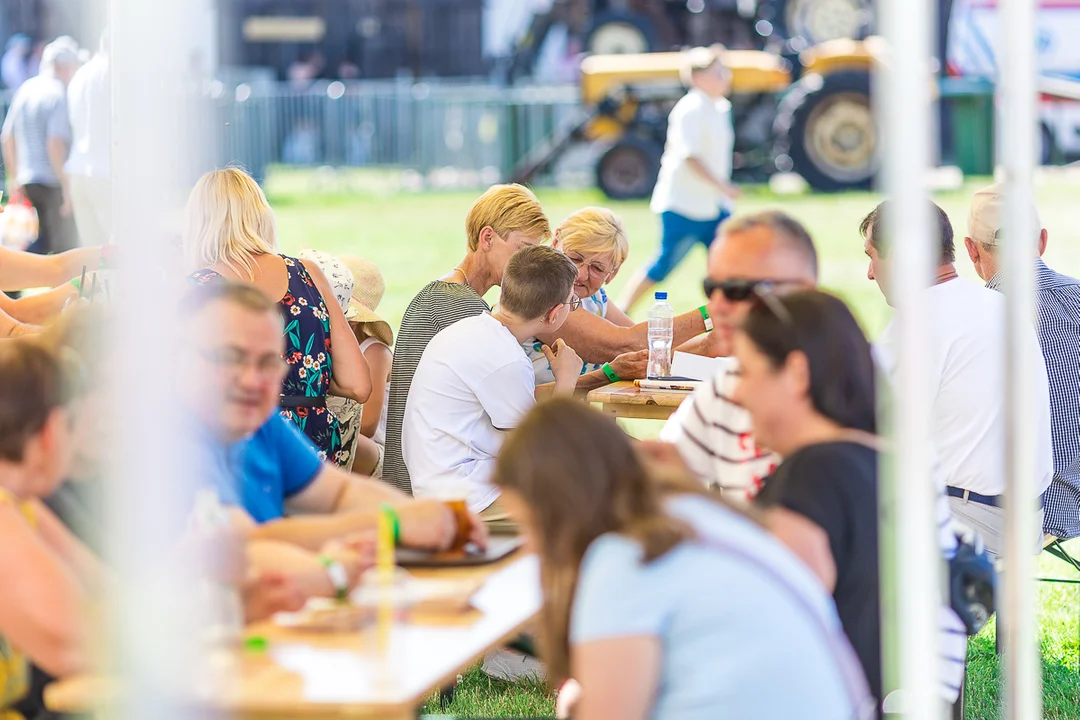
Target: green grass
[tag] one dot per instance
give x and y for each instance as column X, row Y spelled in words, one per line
column 417, row 237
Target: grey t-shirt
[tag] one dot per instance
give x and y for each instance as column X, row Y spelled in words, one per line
column 435, row 308
column 37, row 114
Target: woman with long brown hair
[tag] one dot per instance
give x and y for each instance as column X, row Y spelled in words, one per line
column 661, row 601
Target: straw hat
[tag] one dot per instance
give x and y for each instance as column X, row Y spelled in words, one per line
column 367, row 293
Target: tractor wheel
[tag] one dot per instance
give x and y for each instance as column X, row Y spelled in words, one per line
column 614, row 33
column 628, row 170
column 819, row 20
column 827, row 128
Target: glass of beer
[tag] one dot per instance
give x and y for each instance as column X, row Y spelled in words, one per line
column 454, row 494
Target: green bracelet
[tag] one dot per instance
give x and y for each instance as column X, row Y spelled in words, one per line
column 395, row 520
column 610, row 372
column 704, row 310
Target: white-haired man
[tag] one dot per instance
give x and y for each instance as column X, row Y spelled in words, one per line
column 1057, row 302
column 36, row 138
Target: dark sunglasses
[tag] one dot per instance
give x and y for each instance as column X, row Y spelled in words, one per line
column 737, row 290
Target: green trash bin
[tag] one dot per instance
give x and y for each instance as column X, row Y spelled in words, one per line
column 971, row 104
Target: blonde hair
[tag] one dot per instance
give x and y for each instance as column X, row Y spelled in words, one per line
column 595, row 231
column 506, row 209
column 229, row 221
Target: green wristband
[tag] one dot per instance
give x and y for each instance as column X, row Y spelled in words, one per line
column 704, row 310
column 610, row 372
column 395, row 520
column 77, row 283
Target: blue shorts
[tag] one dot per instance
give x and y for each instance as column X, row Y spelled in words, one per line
column 679, row 235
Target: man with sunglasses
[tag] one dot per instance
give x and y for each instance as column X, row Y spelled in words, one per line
column 754, row 256
column 694, row 192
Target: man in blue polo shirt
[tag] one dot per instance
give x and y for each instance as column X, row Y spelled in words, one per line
column 261, row 463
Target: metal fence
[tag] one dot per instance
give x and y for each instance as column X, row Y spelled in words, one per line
column 461, row 134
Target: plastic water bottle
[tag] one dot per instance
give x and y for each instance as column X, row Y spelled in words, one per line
column 222, row 606
column 661, row 334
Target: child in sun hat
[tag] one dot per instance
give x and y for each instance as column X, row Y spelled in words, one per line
column 376, row 338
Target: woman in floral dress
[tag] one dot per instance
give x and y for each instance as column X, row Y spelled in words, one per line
column 231, row 235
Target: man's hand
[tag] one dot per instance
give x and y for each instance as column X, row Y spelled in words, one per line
column 269, row 593
column 565, row 363
column 426, row 524
column 65, row 206
column 631, row 365
column 431, row 525
column 346, row 553
column 16, row 194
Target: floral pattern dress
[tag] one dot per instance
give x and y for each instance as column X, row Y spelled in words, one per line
column 307, row 351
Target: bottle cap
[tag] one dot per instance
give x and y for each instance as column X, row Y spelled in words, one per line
column 256, row 643
column 661, row 295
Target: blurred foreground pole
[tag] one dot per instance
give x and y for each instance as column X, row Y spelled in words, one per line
column 1017, row 99
column 911, row 558
column 152, row 609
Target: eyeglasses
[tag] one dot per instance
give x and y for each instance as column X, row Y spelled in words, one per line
column 233, row 362
column 574, row 304
column 595, row 270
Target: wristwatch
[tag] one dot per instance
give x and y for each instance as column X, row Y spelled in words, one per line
column 339, row 577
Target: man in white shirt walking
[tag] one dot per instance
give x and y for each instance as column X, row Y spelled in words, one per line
column 474, row 383
column 693, row 192
column 966, row 364
column 89, row 106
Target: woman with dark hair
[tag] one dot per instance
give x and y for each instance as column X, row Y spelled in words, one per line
column 807, row 380
column 662, row 601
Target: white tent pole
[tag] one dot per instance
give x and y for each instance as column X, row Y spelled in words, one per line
column 911, row 558
column 154, row 619
column 1017, row 99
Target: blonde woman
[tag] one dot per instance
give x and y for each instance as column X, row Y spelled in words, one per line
column 231, row 235
column 595, row 240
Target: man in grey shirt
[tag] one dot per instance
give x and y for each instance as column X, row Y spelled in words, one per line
column 36, row 137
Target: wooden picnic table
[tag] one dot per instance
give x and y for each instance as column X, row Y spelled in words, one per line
column 626, row 400
column 304, row 674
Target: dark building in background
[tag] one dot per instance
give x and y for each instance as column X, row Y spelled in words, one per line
column 354, row 38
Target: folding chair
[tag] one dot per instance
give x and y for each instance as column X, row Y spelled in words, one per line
column 1056, row 547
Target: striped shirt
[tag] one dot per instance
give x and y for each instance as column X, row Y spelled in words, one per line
column 1057, row 300
column 38, row 113
column 715, row 437
column 435, row 308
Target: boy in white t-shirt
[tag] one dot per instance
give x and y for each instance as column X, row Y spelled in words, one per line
column 474, row 382
column 693, row 192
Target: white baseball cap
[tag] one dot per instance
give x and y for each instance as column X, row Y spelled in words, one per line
column 987, row 212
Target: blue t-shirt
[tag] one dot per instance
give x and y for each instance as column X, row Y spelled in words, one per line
column 262, row 472
column 734, row 643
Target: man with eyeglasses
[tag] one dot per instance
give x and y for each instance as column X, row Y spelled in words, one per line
column 299, row 507
column 754, row 255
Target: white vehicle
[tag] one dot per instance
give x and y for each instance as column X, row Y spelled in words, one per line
column 973, row 49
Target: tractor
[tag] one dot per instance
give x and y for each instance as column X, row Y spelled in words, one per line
column 811, row 116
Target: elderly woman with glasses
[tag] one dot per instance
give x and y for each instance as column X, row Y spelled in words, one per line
column 595, row 241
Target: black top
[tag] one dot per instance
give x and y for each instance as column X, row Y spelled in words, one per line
column 835, row 486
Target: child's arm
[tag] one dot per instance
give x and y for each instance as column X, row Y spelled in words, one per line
column 379, row 359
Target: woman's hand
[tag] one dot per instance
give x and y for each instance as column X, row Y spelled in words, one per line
column 631, row 365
